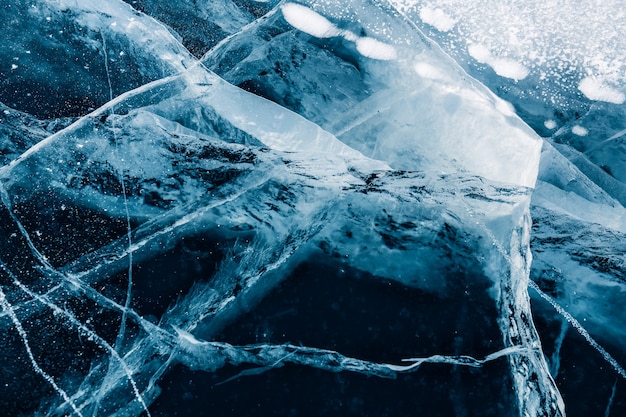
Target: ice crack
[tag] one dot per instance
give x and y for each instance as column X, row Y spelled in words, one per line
column 120, row 335
column 8, row 308
column 212, row 355
column 607, row 412
column 459, row 360
column 580, row 329
column 82, row 328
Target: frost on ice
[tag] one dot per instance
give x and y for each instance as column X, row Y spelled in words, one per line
column 595, row 89
column 504, row 67
column 305, row 208
column 437, row 18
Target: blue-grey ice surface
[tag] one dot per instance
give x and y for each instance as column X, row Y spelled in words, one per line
column 319, row 208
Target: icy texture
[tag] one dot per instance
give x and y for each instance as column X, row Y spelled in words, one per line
column 74, row 55
column 324, row 215
column 200, row 24
column 424, row 111
column 562, row 67
column 562, row 45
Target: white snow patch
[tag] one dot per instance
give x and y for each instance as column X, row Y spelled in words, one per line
column 480, row 53
column 580, row 131
column 188, row 337
column 13, row 66
column 375, row 49
column 504, row 67
column 437, row 18
column 550, row 124
column 509, row 68
column 595, row 89
column 309, row 21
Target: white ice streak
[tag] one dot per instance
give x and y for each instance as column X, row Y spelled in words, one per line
column 575, row 324
column 617, row 135
column 70, row 280
column 459, row 360
column 579, row 328
column 375, row 49
column 555, row 359
column 6, row 306
column 603, row 143
column 269, row 356
column 47, row 266
column 284, row 130
column 314, row 24
column 609, row 405
column 120, row 336
column 309, row 21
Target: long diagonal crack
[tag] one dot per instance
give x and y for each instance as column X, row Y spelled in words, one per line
column 81, row 327
column 6, row 306
column 580, row 329
column 212, row 355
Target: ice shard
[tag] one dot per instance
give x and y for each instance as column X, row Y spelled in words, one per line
column 280, row 208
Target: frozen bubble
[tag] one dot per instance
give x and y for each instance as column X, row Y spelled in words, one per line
column 479, row 52
column 375, row 49
column 504, row 67
column 595, row 89
column 509, row 68
column 309, row 21
column 550, row 124
column 580, row 131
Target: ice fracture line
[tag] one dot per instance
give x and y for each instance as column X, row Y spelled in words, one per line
column 120, row 335
column 576, row 325
column 82, row 328
column 6, row 306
